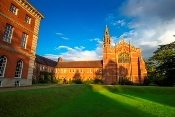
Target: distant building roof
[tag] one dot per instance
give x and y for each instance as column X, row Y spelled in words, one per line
column 45, row 61
column 80, row 64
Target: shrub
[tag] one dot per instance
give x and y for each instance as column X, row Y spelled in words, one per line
column 127, row 82
column 54, row 80
column 146, row 81
column 46, row 77
column 98, row 81
column 77, row 81
column 115, row 83
column 88, row 82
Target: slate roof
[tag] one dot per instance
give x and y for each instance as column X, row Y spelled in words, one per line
column 81, row 64
column 45, row 61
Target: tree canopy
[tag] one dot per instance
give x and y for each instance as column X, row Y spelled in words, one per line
column 161, row 66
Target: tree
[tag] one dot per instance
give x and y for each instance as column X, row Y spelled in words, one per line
column 161, row 66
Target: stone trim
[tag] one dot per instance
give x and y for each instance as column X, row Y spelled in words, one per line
column 27, row 6
column 14, row 50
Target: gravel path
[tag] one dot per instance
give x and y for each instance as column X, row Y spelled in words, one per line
column 5, row 89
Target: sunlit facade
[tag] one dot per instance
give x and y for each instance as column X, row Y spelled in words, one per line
column 19, row 22
column 123, row 61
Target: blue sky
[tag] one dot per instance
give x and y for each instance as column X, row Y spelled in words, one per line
column 73, row 29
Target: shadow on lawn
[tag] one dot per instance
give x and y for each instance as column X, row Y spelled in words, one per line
column 155, row 94
column 97, row 104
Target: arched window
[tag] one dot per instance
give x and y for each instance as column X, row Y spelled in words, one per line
column 123, row 58
column 18, row 71
column 3, row 61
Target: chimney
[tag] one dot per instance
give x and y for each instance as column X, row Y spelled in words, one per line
column 59, row 59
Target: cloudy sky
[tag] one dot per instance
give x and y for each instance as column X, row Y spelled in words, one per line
column 73, row 29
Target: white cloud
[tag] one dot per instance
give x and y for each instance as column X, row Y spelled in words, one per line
column 152, row 23
column 121, row 22
column 59, row 33
column 78, row 53
column 112, row 19
column 65, row 38
column 113, row 40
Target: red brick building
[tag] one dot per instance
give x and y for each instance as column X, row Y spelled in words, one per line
column 19, row 22
column 85, row 70
column 123, row 61
column 43, row 64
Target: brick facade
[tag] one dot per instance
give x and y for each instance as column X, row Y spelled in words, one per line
column 123, row 61
column 13, row 13
column 43, row 64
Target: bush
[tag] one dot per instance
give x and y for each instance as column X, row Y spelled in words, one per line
column 77, row 81
column 146, row 81
column 125, row 81
column 152, row 84
column 60, row 81
column 98, row 81
column 162, row 81
column 115, row 83
column 41, row 80
column 46, row 77
column 88, row 82
column 54, row 80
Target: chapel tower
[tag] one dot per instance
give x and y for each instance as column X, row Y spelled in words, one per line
column 109, row 62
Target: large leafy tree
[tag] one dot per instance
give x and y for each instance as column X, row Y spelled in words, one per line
column 161, row 66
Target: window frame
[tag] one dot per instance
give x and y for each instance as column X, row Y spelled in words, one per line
column 17, row 83
column 27, row 19
column 13, row 9
column 7, row 36
column 3, row 72
column 19, row 72
column 24, row 40
column 124, row 57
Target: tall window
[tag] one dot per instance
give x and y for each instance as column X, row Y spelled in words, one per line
column 27, row 19
column 3, row 61
column 123, row 58
column 13, row 9
column 8, row 33
column 24, row 40
column 18, row 71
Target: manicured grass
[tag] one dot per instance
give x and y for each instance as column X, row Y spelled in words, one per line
column 89, row 101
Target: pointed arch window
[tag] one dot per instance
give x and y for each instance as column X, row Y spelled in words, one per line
column 123, row 58
column 18, row 71
column 3, row 61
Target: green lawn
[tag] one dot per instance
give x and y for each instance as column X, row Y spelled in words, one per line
column 89, row 101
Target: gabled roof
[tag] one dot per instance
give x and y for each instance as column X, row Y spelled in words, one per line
column 45, row 61
column 81, row 64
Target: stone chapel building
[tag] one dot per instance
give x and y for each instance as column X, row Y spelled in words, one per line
column 123, row 61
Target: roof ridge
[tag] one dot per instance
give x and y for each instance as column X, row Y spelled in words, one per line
column 45, row 57
column 82, row 61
